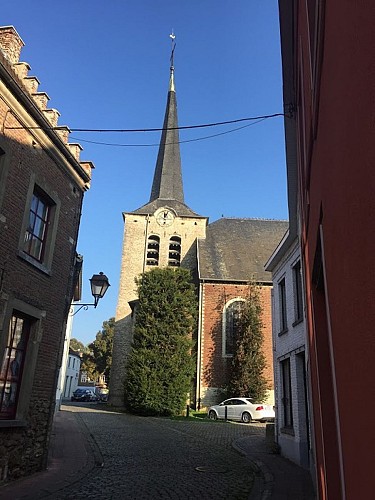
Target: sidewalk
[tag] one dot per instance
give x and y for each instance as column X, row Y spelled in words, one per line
column 71, row 458
column 276, row 477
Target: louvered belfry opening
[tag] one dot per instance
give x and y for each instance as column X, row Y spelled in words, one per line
column 153, row 244
column 174, row 251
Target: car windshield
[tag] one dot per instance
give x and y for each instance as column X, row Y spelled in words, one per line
column 250, row 400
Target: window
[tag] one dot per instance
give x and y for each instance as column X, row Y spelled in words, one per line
column 286, row 394
column 37, row 230
column 174, row 256
column 12, row 365
column 153, row 245
column 40, row 225
column 232, row 325
column 282, row 305
column 297, row 281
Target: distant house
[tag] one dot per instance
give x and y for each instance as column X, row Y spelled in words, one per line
column 42, row 184
column 72, row 373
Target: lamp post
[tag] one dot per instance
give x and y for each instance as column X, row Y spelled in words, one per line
column 99, row 285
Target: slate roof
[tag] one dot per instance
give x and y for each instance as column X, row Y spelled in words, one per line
column 167, row 181
column 167, row 187
column 237, row 249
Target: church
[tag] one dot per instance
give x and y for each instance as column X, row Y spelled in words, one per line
column 223, row 257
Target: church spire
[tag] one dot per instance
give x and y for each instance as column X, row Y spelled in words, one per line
column 167, row 183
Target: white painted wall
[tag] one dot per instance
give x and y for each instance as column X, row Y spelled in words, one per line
column 291, row 343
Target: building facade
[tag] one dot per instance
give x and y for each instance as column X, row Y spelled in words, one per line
column 42, row 184
column 73, row 368
column 290, row 354
column 328, row 73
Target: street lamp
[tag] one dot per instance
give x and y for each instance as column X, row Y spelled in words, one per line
column 99, row 285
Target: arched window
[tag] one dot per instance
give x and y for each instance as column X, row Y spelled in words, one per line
column 231, row 325
column 174, row 256
column 153, row 244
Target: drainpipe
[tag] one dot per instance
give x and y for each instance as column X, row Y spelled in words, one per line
column 199, row 347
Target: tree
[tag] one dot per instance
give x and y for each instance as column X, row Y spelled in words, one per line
column 101, row 348
column 97, row 356
column 77, row 345
column 249, row 361
column 161, row 365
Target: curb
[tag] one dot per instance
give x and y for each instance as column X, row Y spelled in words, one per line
column 263, row 479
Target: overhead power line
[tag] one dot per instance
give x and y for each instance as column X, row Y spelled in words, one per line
column 205, row 125
column 168, row 143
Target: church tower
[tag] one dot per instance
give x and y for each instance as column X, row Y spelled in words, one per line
column 163, row 232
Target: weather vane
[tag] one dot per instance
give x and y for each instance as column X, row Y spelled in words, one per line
column 172, row 36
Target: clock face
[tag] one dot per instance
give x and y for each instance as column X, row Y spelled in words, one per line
column 165, row 217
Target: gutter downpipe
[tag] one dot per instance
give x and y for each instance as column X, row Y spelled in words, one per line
column 199, row 348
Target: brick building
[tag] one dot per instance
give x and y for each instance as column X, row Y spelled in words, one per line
column 329, row 94
column 42, row 183
column 232, row 253
column 166, row 232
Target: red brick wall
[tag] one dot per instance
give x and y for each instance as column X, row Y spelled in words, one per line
column 23, row 450
column 215, row 366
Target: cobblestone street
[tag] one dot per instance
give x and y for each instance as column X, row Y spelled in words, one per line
column 144, row 458
column 102, row 454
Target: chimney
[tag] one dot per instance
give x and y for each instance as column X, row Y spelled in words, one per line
column 31, row 83
column 87, row 166
column 75, row 149
column 22, row 69
column 63, row 132
column 10, row 43
column 52, row 116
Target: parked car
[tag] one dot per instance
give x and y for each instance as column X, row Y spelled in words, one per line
column 102, row 394
column 84, row 395
column 242, row 409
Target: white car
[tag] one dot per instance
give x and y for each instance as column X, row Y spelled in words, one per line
column 241, row 409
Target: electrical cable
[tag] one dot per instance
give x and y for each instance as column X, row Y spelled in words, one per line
column 205, row 125
column 168, row 143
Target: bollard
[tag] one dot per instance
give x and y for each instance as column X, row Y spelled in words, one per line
column 226, row 412
column 187, row 410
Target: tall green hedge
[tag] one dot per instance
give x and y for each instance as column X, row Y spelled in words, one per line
column 161, row 365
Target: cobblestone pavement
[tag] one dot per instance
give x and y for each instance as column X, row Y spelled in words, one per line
column 150, row 458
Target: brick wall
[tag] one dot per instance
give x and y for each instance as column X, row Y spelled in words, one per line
column 214, row 367
column 28, row 158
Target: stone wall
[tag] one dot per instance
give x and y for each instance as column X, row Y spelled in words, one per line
column 137, row 230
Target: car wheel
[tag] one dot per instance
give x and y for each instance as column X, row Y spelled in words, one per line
column 246, row 417
column 212, row 415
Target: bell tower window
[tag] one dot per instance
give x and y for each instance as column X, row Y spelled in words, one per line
column 153, row 244
column 174, row 257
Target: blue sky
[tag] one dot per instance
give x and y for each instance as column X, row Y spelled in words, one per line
column 106, row 65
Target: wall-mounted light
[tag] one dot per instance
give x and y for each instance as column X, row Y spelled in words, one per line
column 99, row 285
